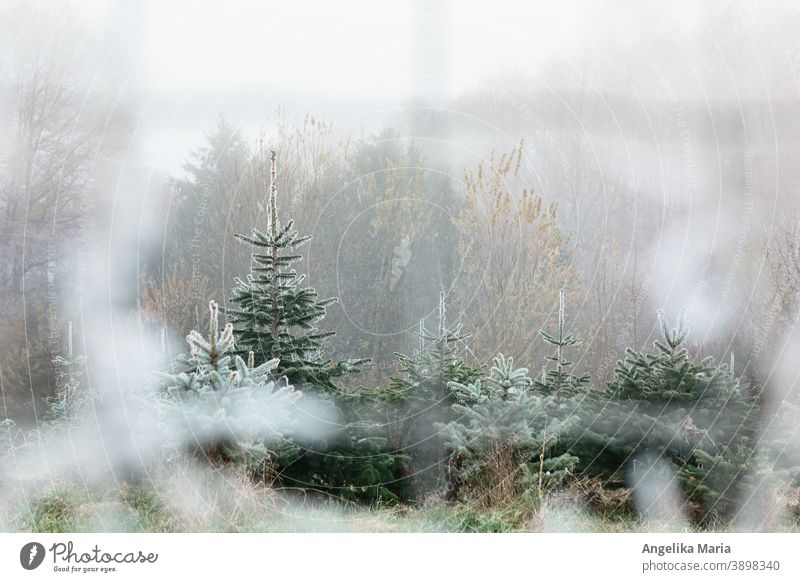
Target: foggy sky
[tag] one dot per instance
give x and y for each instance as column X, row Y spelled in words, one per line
column 357, row 63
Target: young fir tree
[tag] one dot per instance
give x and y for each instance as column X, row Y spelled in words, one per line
column 558, row 381
column 221, row 408
column 503, row 438
column 275, row 316
column 427, row 373
column 693, row 414
column 423, row 397
column 71, row 401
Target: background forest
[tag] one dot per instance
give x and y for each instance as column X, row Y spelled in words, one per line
column 556, row 295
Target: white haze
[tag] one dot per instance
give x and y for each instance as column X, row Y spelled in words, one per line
column 724, row 77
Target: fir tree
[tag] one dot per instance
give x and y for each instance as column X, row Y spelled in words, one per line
column 703, row 400
column 424, row 397
column 558, row 381
column 504, row 435
column 221, row 407
column 356, row 464
column 71, row 400
column 693, row 414
column 275, row 316
column 427, row 373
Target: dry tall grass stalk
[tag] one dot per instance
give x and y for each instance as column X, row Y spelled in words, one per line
column 202, row 498
column 177, row 301
column 498, row 484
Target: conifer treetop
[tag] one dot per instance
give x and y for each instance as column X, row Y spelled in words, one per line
column 436, row 362
column 558, row 381
column 273, row 192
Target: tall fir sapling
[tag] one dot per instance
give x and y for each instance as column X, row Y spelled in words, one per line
column 275, row 317
column 427, row 373
column 72, row 400
column 423, row 397
column 558, row 381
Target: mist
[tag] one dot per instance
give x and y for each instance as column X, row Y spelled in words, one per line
column 487, row 171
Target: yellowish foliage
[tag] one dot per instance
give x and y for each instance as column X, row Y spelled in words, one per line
column 514, row 257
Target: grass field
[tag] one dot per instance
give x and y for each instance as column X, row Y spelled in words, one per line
column 201, row 500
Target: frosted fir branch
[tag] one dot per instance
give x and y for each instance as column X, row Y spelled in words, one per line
column 217, row 345
column 273, row 193
column 442, row 314
column 677, row 335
